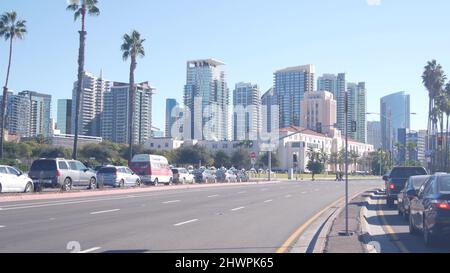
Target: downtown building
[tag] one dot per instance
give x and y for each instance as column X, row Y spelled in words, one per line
column 290, row 86
column 394, row 114
column 64, row 116
column 115, row 123
column 374, row 134
column 246, row 111
column 357, row 111
column 91, row 107
column 171, row 116
column 318, row 109
column 337, row 85
column 206, row 98
column 269, row 111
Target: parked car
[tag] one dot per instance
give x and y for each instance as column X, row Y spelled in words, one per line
column 118, row 177
column 226, row 176
column 13, row 180
column 153, row 169
column 182, row 176
column 430, row 210
column 61, row 173
column 396, row 181
column 408, row 193
column 242, row 176
column 205, row 176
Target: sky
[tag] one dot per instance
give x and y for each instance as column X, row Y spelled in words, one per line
column 385, row 43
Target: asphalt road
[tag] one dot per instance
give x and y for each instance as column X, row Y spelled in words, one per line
column 399, row 239
column 235, row 218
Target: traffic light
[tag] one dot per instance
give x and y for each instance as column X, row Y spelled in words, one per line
column 295, row 158
column 319, row 127
column 354, row 126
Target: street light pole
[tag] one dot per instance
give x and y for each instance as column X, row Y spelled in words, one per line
column 346, row 232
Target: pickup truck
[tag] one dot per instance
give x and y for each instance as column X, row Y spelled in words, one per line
column 395, row 181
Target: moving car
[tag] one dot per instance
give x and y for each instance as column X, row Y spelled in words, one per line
column 430, row 209
column 153, row 169
column 118, row 177
column 396, row 181
column 13, row 180
column 226, row 176
column 205, row 176
column 61, row 173
column 409, row 193
column 181, row 175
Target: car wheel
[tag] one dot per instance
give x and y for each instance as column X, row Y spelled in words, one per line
column 121, row 183
column 412, row 228
column 138, row 183
column 0, row 188
column 170, row 182
column 28, row 187
column 92, row 183
column 428, row 238
column 155, row 183
column 67, row 185
column 400, row 212
column 184, row 181
column 390, row 202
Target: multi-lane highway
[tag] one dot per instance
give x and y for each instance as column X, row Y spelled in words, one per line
column 231, row 218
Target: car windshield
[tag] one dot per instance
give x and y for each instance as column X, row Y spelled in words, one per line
column 444, row 184
column 407, row 172
column 174, row 171
column 43, row 165
column 107, row 170
column 418, row 181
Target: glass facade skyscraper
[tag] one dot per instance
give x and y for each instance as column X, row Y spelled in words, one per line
column 64, row 118
column 395, row 114
column 170, row 105
column 357, row 109
column 336, row 84
column 246, row 113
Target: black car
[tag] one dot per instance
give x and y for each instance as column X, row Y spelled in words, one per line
column 408, row 193
column 430, row 209
column 396, row 181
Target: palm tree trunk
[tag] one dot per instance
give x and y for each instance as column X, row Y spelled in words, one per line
column 5, row 99
column 446, row 145
column 131, row 110
column 81, row 54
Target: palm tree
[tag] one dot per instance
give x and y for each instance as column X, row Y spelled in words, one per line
column 433, row 79
column 354, row 156
column 334, row 159
column 132, row 47
column 11, row 28
column 447, row 113
column 81, row 8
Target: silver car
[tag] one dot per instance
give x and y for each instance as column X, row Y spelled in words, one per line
column 118, row 177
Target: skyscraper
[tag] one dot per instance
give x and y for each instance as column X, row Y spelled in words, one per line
column 91, row 106
column 357, row 109
column 337, row 85
column 171, row 104
column 318, row 107
column 116, row 109
column 395, row 114
column 40, row 112
column 17, row 119
column 64, row 118
column 290, row 85
column 246, row 113
column 269, row 111
column 206, row 95
column 374, row 134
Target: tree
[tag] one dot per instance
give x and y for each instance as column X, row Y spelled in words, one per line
column 240, row 159
column 11, row 28
column 132, row 47
column 316, row 163
column 81, row 8
column 193, row 155
column 222, row 159
column 334, row 160
column 264, row 159
column 354, row 156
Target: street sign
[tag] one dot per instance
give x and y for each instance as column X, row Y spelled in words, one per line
column 253, row 155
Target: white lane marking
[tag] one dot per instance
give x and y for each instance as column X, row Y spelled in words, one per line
column 304, row 192
column 104, row 211
column 288, row 196
column 52, row 219
column 173, row 201
column 90, row 250
column 268, row 201
column 211, row 196
column 264, row 189
column 241, row 192
column 316, row 189
column 236, row 209
column 186, row 222
column 2, row 226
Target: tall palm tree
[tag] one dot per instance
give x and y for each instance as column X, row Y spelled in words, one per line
column 447, row 113
column 11, row 28
column 354, row 156
column 433, row 79
column 81, row 8
column 132, row 47
column 334, row 160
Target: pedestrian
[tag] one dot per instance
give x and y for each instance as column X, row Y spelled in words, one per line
column 337, row 176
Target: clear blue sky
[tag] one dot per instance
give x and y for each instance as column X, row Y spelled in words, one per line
column 385, row 45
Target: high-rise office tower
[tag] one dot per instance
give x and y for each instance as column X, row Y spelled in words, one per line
column 64, row 118
column 374, row 134
column 40, row 112
column 318, row 108
column 171, row 116
column 290, row 85
column 269, row 111
column 91, row 106
column 246, row 113
column 206, row 96
column 357, row 111
column 337, row 85
column 17, row 119
column 116, row 110
column 395, row 114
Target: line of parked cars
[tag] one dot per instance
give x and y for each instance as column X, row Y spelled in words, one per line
column 143, row 169
column 422, row 199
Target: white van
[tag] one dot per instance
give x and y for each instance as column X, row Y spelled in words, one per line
column 153, row 169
